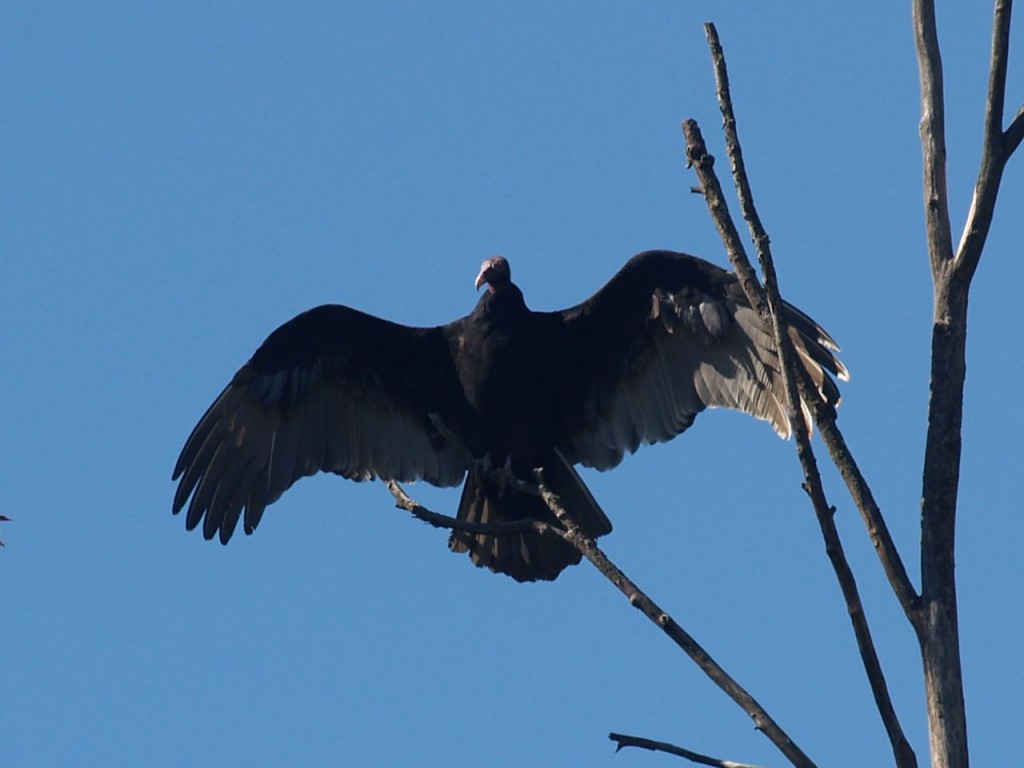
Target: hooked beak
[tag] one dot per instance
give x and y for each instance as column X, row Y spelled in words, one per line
column 483, row 277
column 495, row 272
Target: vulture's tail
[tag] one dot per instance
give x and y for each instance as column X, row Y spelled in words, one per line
column 529, row 555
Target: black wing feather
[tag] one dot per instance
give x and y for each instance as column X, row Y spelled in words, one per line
column 668, row 336
column 332, row 390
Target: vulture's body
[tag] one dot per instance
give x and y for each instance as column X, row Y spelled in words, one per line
column 341, row 391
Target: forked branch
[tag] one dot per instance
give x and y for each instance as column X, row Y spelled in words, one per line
column 938, row 624
column 824, row 415
column 798, row 390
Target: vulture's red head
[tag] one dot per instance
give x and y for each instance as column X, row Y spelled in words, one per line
column 495, row 272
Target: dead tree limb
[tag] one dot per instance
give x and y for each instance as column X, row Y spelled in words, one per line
column 937, row 626
column 797, row 389
column 622, row 741
column 938, row 629
column 697, row 153
column 406, row 502
column 637, row 598
column 824, row 415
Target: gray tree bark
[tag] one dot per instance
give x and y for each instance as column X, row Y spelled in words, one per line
column 935, row 620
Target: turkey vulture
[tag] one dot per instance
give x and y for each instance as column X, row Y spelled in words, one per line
column 337, row 390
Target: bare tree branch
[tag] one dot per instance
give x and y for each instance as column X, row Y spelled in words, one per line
column 637, row 598
column 860, row 492
column 697, row 152
column 824, row 415
column 902, row 751
column 997, row 70
column 933, row 135
column 937, row 627
column 739, row 176
column 671, row 749
column 704, row 163
column 1015, row 132
column 406, row 502
column 994, row 152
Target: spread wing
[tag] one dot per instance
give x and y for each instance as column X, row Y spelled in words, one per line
column 667, row 337
column 332, row 390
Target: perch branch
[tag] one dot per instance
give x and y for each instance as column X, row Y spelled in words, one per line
column 437, row 520
column 636, row 596
column 660, row 746
column 639, row 600
column 798, row 390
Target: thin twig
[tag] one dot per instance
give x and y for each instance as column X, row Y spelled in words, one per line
column 696, row 150
column 864, row 500
column 406, row 502
column 860, row 492
column 996, row 99
column 994, row 153
column 636, row 596
column 902, row 750
column 703, row 163
column 1015, row 132
column 933, row 136
column 639, row 600
column 662, row 746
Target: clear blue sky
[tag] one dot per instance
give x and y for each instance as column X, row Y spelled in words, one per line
column 179, row 179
